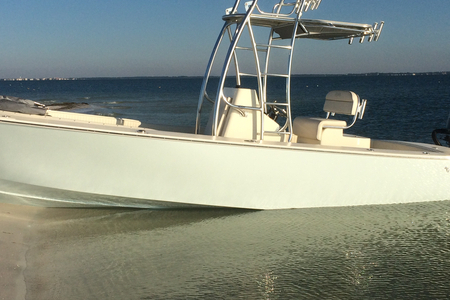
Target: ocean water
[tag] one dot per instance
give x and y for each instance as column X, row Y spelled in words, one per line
column 370, row 252
column 399, row 107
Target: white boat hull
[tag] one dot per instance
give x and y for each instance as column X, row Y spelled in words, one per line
column 62, row 165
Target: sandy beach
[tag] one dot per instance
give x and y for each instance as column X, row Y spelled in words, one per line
column 15, row 221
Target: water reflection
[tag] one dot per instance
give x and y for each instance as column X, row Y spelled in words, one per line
column 373, row 252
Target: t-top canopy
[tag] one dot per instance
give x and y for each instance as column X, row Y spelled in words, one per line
column 313, row 29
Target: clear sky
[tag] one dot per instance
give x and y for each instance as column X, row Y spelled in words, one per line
column 91, row 38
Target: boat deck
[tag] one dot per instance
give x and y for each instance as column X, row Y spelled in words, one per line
column 109, row 125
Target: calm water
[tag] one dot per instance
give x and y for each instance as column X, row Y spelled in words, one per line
column 374, row 252
column 371, row 252
column 404, row 107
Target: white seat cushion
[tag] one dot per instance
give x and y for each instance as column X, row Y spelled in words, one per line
column 312, row 128
column 341, row 102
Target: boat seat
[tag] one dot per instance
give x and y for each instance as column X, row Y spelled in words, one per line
column 328, row 131
column 242, row 123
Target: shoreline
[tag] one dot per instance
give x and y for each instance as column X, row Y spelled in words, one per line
column 410, row 73
column 15, row 221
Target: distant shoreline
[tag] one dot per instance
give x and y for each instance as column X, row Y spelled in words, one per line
column 173, row 77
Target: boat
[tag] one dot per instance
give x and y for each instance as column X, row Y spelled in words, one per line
column 247, row 150
column 441, row 136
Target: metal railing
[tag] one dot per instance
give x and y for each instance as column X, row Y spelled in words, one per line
column 286, row 15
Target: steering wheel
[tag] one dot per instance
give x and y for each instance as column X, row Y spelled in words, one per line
column 275, row 111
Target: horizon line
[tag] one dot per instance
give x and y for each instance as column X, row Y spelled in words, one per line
column 201, row 76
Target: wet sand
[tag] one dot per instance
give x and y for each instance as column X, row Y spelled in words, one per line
column 15, row 221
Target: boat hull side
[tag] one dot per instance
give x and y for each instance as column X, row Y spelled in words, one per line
column 24, row 194
column 180, row 172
